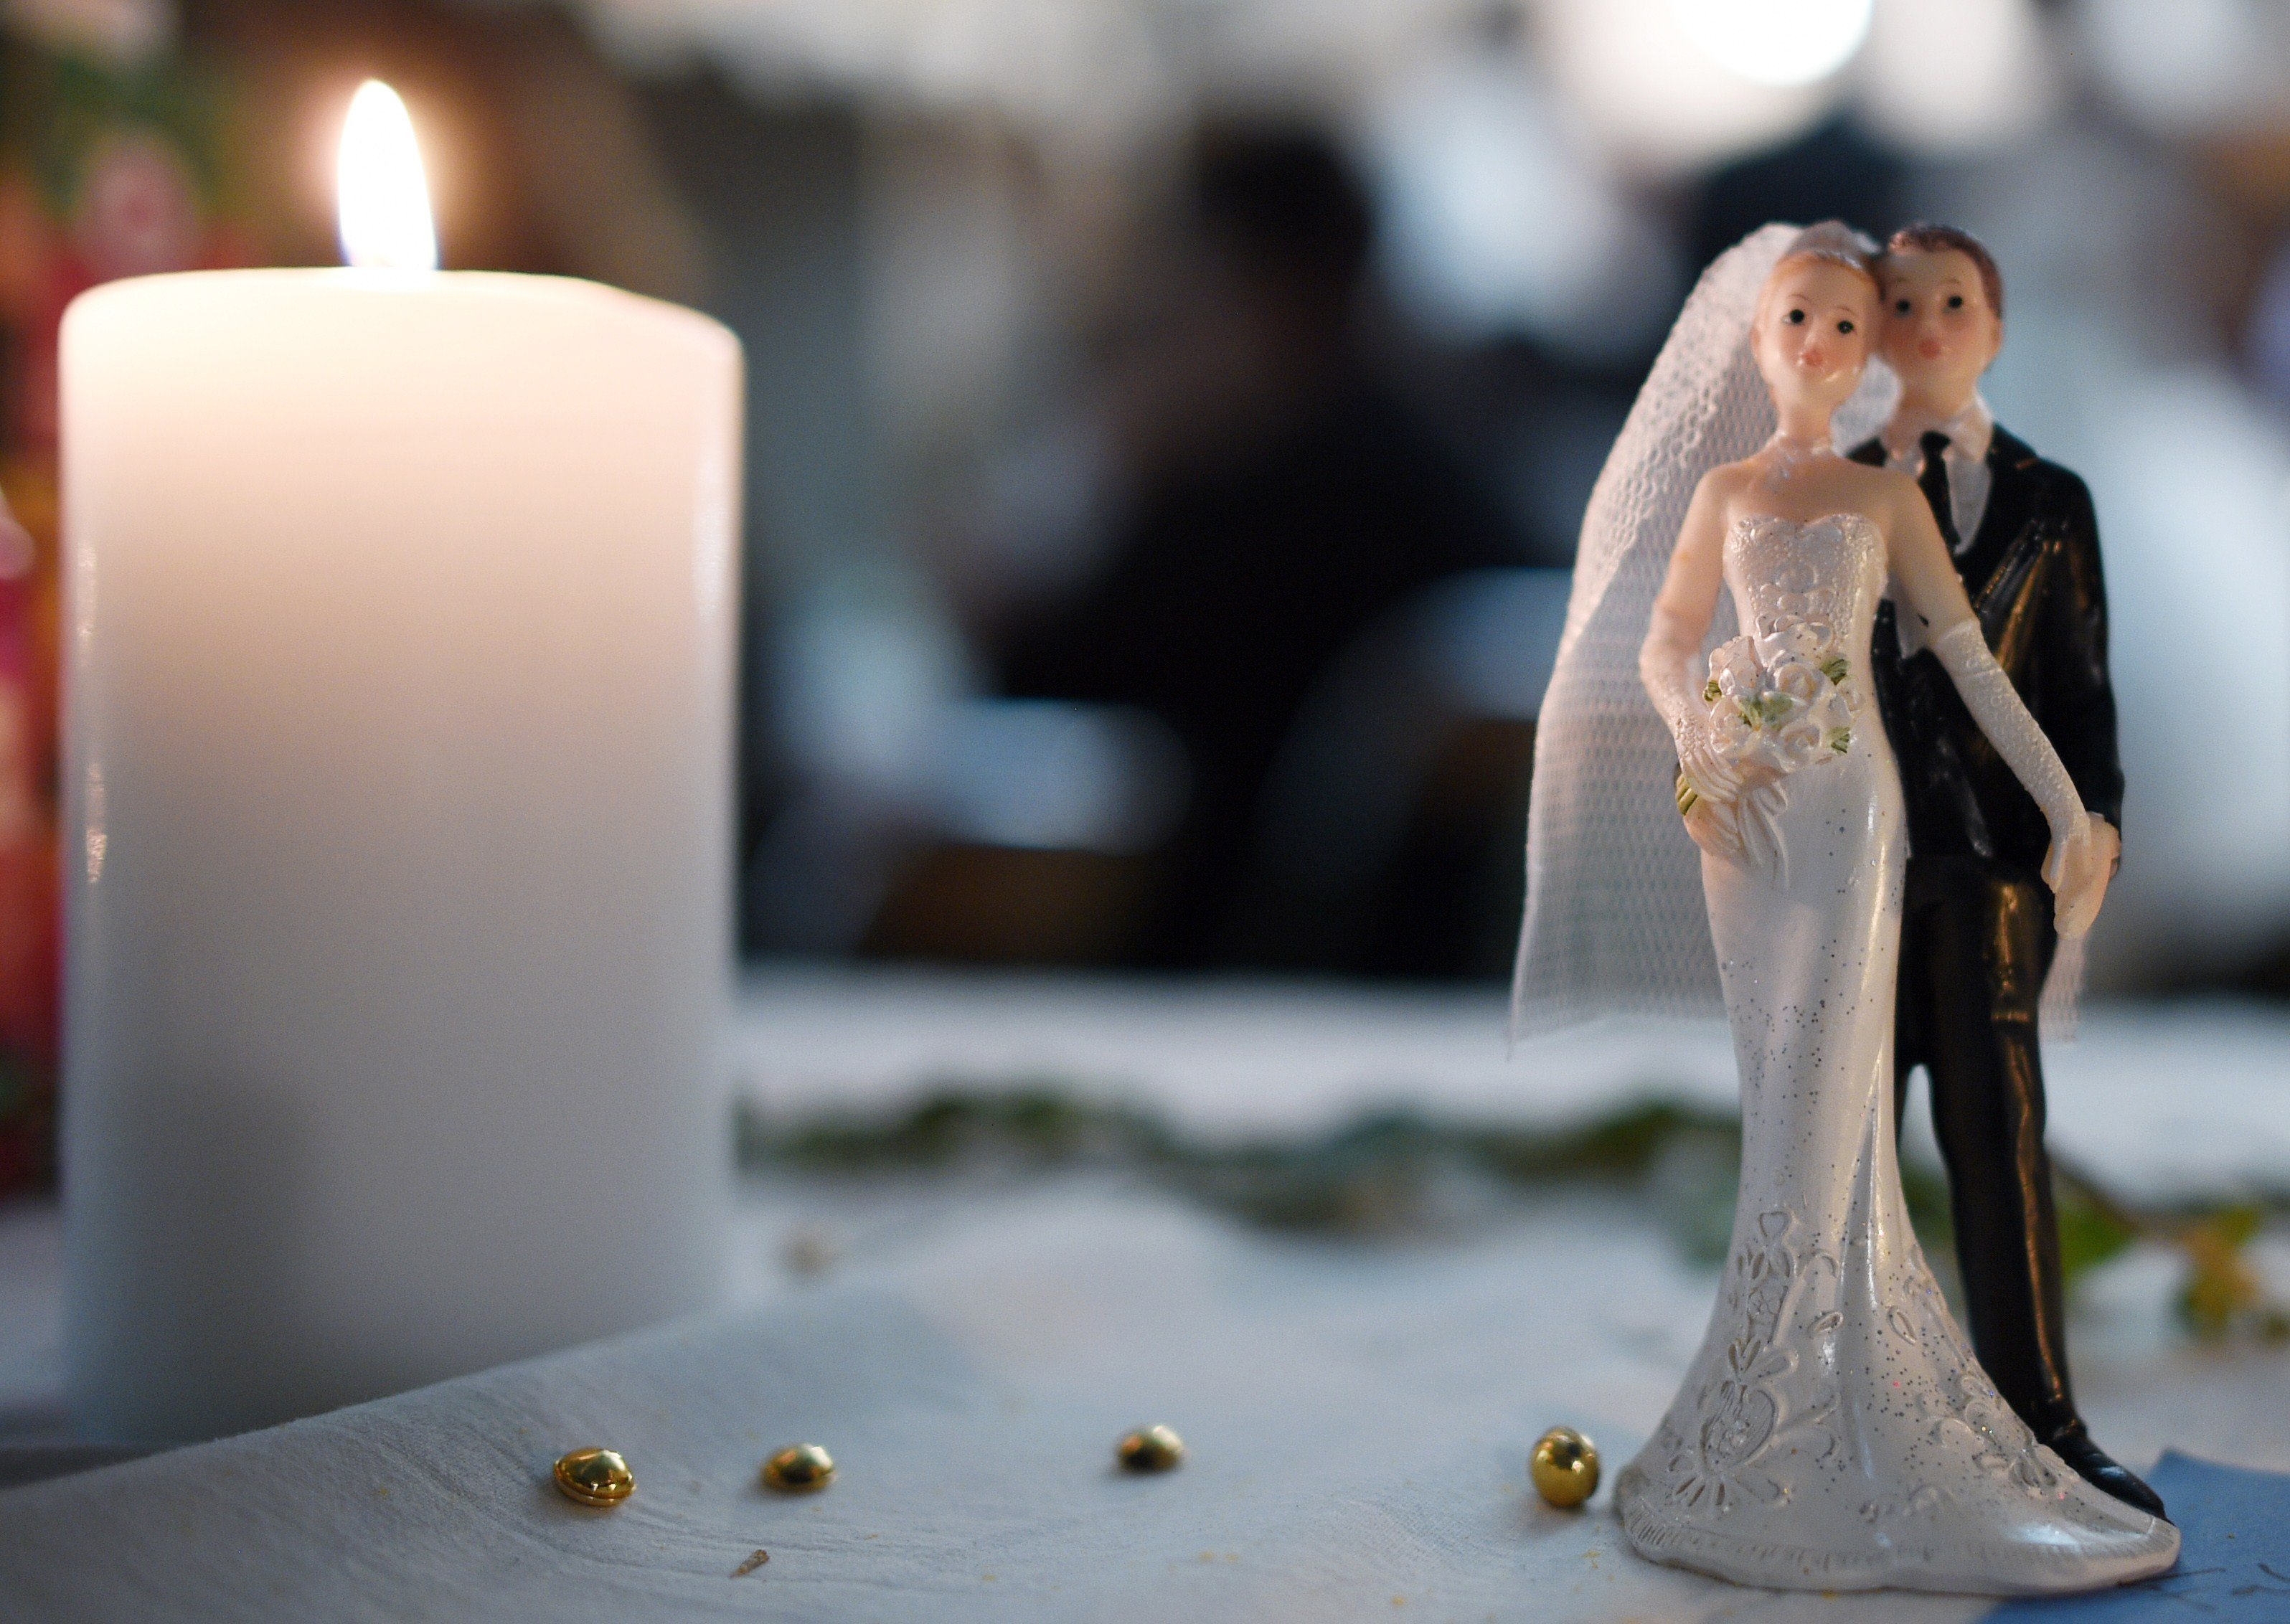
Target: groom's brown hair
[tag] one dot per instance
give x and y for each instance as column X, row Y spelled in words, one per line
column 1926, row 238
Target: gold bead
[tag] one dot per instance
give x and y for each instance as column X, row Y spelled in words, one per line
column 1564, row 1467
column 1149, row 1449
column 594, row 1477
column 799, row 1469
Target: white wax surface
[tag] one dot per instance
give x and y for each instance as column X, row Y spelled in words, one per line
column 400, row 635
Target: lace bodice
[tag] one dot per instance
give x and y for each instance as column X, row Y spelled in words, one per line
column 1798, row 587
column 1791, row 690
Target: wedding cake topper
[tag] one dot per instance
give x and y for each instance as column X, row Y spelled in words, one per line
column 1836, row 1430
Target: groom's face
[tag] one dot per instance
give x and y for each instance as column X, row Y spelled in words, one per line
column 1937, row 332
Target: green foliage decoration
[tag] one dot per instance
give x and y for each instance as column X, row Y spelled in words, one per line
column 1399, row 1173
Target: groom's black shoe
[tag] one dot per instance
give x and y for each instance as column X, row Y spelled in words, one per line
column 2072, row 1444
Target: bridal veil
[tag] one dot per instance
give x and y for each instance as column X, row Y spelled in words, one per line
column 1615, row 915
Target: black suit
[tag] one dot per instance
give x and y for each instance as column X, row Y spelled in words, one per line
column 1976, row 935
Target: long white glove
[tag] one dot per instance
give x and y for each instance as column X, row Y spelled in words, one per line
column 1996, row 704
column 1667, row 663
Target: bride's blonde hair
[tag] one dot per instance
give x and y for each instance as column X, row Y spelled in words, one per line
column 1831, row 242
column 1837, row 243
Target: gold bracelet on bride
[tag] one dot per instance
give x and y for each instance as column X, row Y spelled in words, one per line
column 1688, row 796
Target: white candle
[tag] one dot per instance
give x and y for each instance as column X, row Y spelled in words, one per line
column 400, row 631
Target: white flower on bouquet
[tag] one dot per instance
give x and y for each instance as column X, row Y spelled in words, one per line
column 1731, row 730
column 1733, row 671
column 1787, row 715
column 1800, row 679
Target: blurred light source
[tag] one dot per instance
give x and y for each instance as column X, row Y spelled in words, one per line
column 1948, row 76
column 1492, row 638
column 1051, row 775
column 861, row 679
column 1085, row 66
column 124, row 32
column 383, row 200
column 1629, row 72
column 2193, row 64
column 1776, row 42
column 1496, row 221
column 2189, row 480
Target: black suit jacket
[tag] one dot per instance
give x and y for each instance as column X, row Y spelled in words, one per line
column 2032, row 574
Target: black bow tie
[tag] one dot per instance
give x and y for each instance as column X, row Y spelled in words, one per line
column 1934, row 483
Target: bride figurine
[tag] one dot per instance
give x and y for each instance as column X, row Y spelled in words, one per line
column 1835, row 1431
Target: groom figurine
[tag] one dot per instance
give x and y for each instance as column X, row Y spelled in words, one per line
column 1976, row 932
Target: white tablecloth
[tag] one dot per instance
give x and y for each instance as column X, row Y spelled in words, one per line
column 1359, row 1420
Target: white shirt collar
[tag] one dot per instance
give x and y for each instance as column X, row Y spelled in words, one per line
column 1970, row 431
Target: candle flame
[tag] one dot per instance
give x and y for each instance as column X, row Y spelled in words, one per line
column 383, row 198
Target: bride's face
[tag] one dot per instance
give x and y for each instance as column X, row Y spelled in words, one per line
column 1814, row 331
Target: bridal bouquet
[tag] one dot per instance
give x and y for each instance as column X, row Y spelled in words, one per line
column 1785, row 714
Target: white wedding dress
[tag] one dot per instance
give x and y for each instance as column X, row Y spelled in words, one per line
column 1835, row 1431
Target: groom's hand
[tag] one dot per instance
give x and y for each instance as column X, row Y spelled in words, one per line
column 2079, row 872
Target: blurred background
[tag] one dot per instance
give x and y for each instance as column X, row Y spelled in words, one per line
column 1169, row 419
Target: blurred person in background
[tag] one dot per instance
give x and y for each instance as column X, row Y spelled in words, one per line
column 1274, row 498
